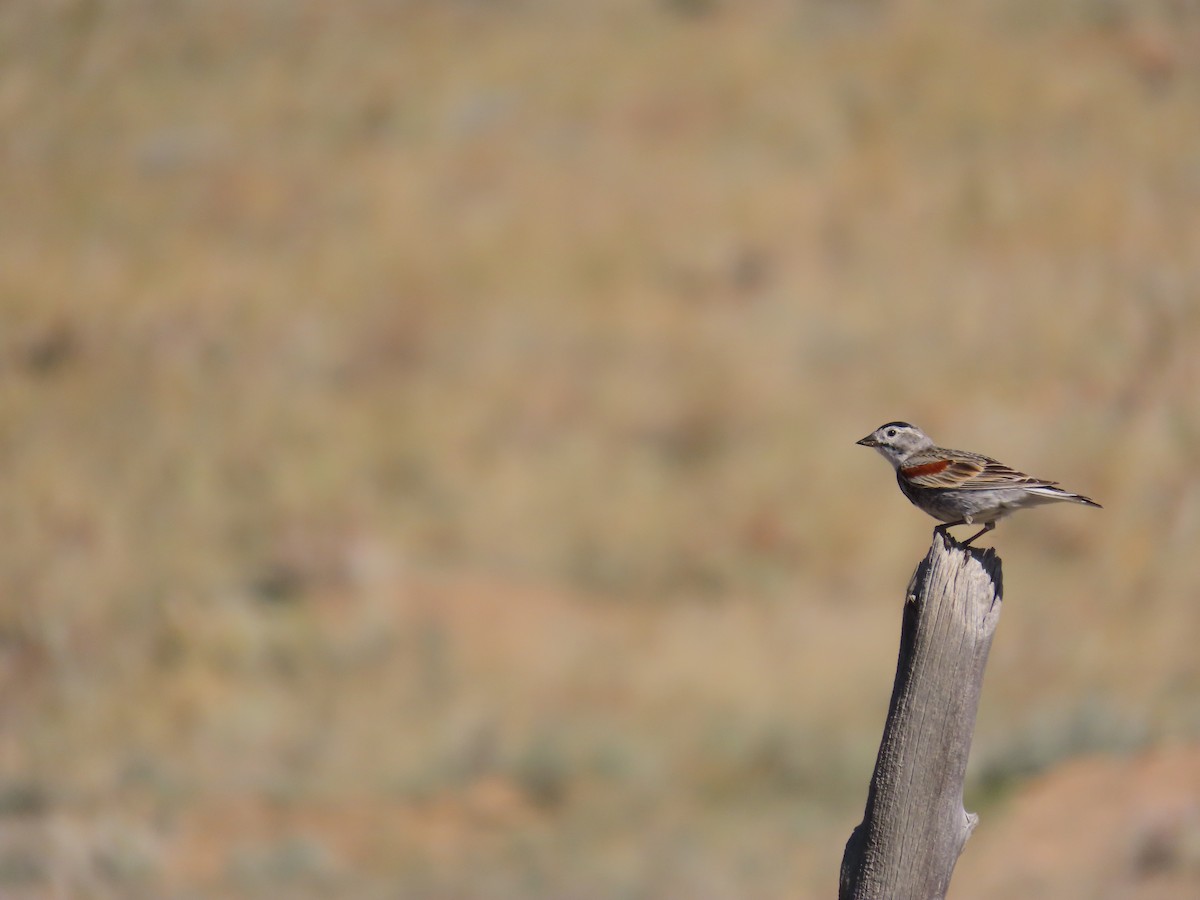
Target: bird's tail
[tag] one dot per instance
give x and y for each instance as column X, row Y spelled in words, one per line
column 1054, row 493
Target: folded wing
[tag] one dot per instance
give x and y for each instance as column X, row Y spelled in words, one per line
column 967, row 472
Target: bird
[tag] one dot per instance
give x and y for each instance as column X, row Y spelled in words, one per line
column 958, row 487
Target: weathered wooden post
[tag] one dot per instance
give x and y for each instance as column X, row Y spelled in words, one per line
column 914, row 827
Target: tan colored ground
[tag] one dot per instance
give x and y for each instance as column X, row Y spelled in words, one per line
column 1094, row 828
column 426, row 435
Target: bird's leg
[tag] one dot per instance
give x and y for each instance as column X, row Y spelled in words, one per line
column 982, row 531
column 941, row 529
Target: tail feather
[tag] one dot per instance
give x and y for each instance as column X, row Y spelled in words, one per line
column 1060, row 494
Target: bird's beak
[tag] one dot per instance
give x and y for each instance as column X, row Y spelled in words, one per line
column 868, row 441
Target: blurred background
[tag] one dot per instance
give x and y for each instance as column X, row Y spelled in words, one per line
column 427, row 439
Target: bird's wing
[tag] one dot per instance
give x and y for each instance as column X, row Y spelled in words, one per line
column 965, row 472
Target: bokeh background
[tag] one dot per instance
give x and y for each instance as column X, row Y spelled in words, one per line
column 427, row 460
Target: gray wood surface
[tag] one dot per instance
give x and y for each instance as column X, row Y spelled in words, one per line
column 914, row 827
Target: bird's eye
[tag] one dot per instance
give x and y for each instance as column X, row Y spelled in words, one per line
column 891, row 432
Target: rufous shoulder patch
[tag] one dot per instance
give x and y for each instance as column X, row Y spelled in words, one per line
column 933, row 468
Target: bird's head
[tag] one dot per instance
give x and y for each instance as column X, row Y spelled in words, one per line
column 897, row 441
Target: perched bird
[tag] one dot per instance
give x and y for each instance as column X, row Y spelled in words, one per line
column 958, row 487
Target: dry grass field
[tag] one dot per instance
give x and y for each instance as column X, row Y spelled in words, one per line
column 427, row 439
